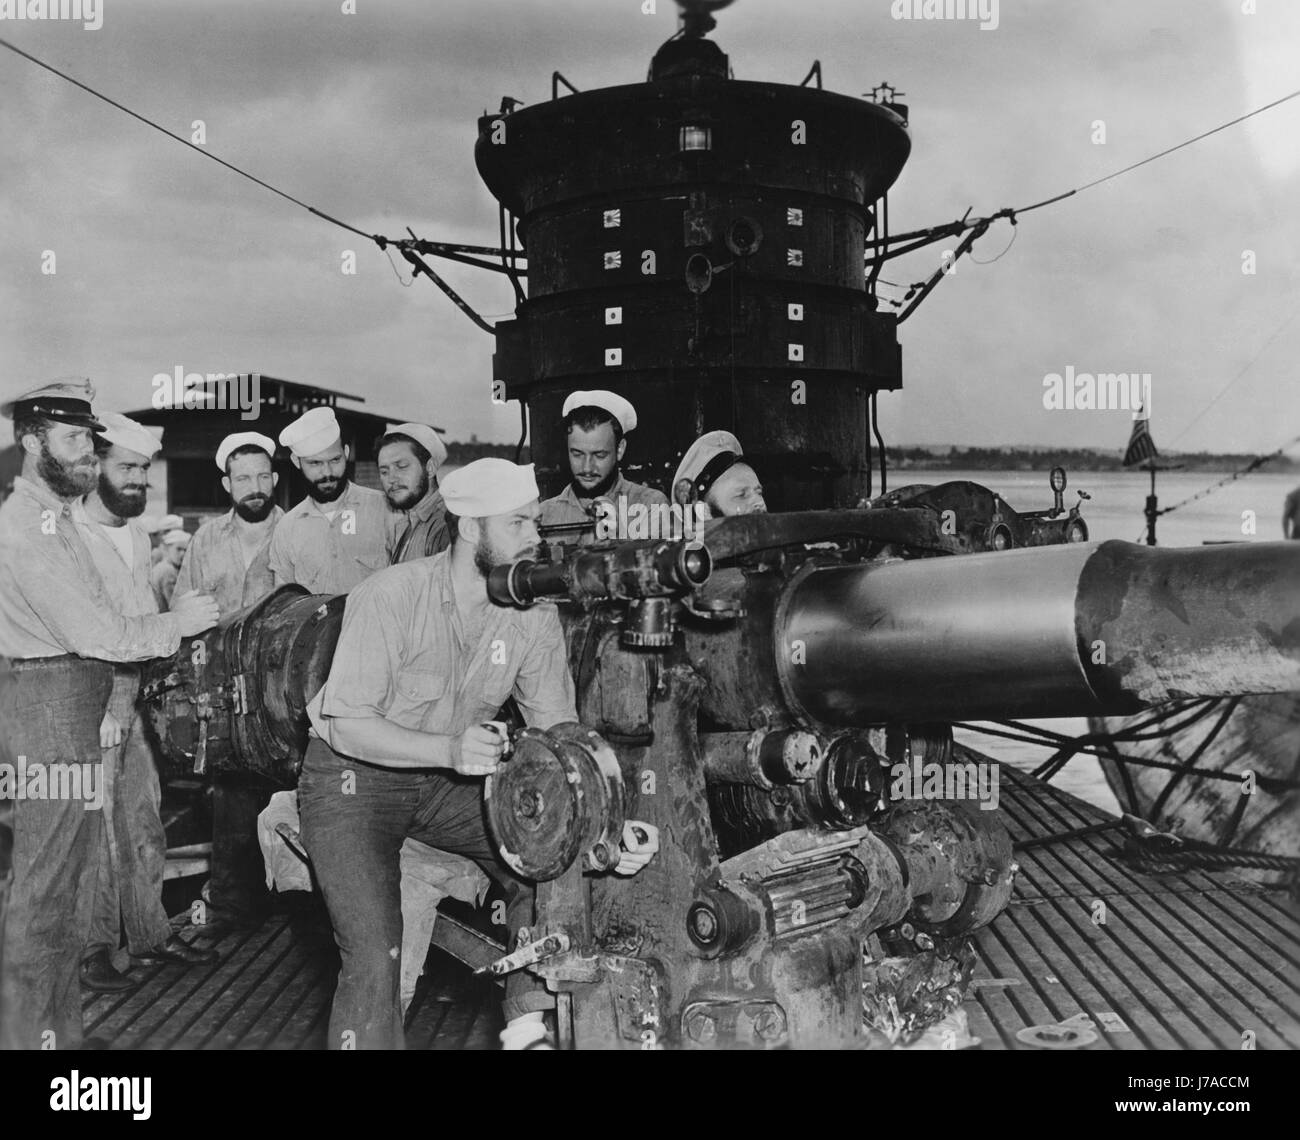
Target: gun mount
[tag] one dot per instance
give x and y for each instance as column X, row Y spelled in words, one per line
column 713, row 257
column 796, row 667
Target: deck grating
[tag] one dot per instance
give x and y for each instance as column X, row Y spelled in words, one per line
column 1187, row 961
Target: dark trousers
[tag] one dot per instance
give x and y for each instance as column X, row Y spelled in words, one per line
column 237, row 891
column 132, row 853
column 355, row 818
column 52, row 714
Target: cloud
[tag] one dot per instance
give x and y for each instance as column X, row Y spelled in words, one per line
column 164, row 258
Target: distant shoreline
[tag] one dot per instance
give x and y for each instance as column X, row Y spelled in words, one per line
column 1081, row 459
column 1072, row 459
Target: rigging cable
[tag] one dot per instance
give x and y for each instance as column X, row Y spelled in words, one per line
column 938, row 233
column 1253, row 465
column 193, row 146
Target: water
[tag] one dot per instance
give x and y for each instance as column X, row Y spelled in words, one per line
column 1116, row 511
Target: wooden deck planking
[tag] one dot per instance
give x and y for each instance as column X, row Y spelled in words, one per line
column 1227, row 989
column 1203, row 966
column 1187, row 960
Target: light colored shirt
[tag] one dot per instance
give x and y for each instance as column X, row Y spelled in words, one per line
column 403, row 655
column 163, row 577
column 214, row 564
column 567, row 508
column 126, row 583
column 331, row 555
column 52, row 600
column 122, row 538
column 420, row 532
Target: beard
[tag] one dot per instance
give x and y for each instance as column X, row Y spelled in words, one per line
column 487, row 556
column 67, row 480
column 254, row 508
column 327, row 490
column 596, row 489
column 403, row 499
column 125, row 503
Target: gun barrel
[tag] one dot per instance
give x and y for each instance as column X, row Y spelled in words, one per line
column 1062, row 631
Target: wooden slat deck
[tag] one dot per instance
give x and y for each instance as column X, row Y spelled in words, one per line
column 1184, row 961
column 272, row 990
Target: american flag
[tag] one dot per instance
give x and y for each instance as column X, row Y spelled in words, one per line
column 1141, row 447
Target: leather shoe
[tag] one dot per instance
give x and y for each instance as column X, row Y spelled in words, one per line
column 99, row 974
column 176, row 951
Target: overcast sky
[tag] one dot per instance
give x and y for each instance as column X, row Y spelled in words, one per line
column 164, row 259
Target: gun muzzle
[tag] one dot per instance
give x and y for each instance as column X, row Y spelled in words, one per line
column 1076, row 630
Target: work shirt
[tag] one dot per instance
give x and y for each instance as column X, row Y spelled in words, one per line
column 420, row 532
column 331, row 556
column 52, row 600
column 214, row 564
column 566, row 507
column 163, row 578
column 403, row 654
column 127, row 585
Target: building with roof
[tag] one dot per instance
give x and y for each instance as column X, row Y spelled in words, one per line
column 195, row 418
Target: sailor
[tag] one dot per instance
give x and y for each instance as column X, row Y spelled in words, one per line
column 166, row 569
column 423, row 660
column 1291, row 515
column 595, row 429
column 60, row 631
column 335, row 538
column 132, row 852
column 712, row 472
column 409, row 458
column 230, row 558
column 157, row 527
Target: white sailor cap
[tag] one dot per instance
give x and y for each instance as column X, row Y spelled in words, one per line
column 610, row 402
column 706, row 459
column 426, row 437
column 176, row 538
column 489, row 487
column 312, row 432
column 123, row 432
column 244, row 439
column 66, row 400
column 155, row 525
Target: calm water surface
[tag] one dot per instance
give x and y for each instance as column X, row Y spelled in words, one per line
column 1115, row 511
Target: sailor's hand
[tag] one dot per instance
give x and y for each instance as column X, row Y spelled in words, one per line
column 478, row 750
column 110, row 731
column 640, row 842
column 195, row 612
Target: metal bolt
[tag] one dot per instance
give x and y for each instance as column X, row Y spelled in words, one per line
column 769, row 1025
column 702, row 1028
column 704, row 924
column 925, row 942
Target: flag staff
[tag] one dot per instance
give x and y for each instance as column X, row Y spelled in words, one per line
column 1142, row 453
